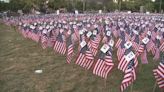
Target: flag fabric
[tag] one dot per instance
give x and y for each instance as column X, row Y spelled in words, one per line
column 104, row 64
column 144, row 57
column 44, row 41
column 135, row 42
column 35, row 37
column 159, row 74
column 121, row 51
column 85, row 58
column 123, row 64
column 157, row 50
column 129, row 77
column 94, row 44
column 118, row 43
column 150, row 45
column 60, row 45
column 162, row 47
column 140, row 49
column 70, row 50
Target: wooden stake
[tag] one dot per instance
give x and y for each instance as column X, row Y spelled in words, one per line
column 154, row 86
column 104, row 83
column 131, row 88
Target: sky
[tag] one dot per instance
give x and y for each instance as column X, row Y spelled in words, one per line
column 7, row 1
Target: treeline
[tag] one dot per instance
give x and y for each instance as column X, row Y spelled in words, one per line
column 81, row 5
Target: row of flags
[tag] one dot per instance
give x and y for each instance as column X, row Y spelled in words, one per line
column 133, row 36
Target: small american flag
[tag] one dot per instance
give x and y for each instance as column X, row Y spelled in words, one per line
column 140, row 49
column 144, row 57
column 85, row 58
column 44, row 41
column 121, row 38
column 129, row 77
column 35, row 37
column 60, row 45
column 150, row 45
column 136, row 43
column 118, row 43
column 95, row 44
column 121, row 50
column 162, row 47
column 123, row 64
column 157, row 51
column 69, row 49
column 99, row 64
column 103, row 65
column 159, row 74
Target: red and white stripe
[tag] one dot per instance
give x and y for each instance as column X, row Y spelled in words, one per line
column 108, row 66
column 123, row 64
column 35, row 37
column 98, row 68
column 150, row 45
column 135, row 46
column 118, row 43
column 162, row 47
column 69, row 53
column 120, row 53
column 89, row 59
column 144, row 59
column 129, row 78
column 60, row 47
column 140, row 50
column 81, row 59
column 159, row 79
column 44, row 42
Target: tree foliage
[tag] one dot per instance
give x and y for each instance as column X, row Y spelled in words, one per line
column 70, row 5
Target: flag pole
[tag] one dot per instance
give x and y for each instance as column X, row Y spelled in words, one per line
column 104, row 83
column 155, row 84
column 131, row 88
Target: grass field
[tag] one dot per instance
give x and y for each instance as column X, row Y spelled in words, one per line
column 20, row 57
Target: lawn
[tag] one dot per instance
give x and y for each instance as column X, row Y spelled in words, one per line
column 20, row 57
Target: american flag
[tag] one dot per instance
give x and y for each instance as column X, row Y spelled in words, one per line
column 159, row 74
column 89, row 59
column 144, row 57
column 85, row 58
column 121, row 38
column 99, row 64
column 103, row 65
column 162, row 47
column 52, row 38
column 44, row 41
column 35, row 37
column 29, row 33
column 153, row 50
column 60, row 45
column 157, row 51
column 129, row 77
column 118, row 43
column 94, row 44
column 123, row 64
column 69, row 49
column 127, row 36
column 121, row 50
column 150, row 45
column 115, row 32
column 140, row 49
column 108, row 66
column 135, row 44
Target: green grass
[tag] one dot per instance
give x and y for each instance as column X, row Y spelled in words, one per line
column 20, row 57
